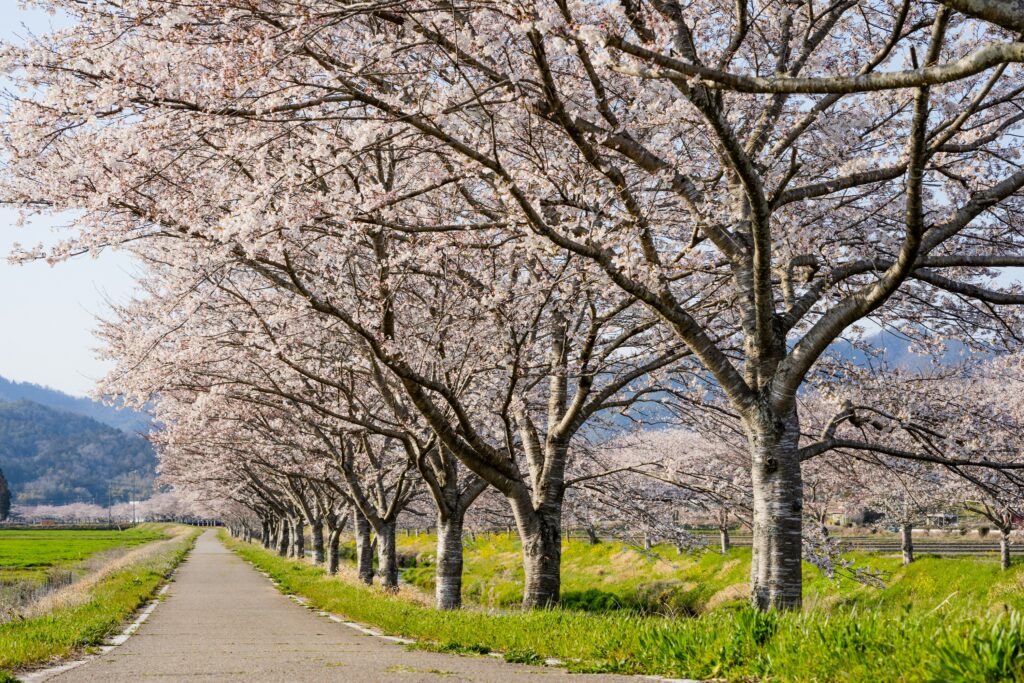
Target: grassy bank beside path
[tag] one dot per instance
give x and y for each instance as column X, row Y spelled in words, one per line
column 905, row 635
column 94, row 608
column 611, row 575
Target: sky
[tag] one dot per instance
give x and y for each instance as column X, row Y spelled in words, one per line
column 48, row 313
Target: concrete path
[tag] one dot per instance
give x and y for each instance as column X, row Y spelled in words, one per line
column 223, row 621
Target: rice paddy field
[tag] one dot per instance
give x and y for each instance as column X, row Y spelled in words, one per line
column 30, row 556
column 37, row 562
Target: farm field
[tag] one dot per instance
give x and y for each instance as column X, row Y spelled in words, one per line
column 30, row 555
column 940, row 619
column 114, row 573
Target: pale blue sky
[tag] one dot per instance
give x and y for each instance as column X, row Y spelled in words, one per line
column 47, row 313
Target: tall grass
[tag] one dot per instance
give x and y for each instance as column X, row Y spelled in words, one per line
column 913, row 631
column 982, row 653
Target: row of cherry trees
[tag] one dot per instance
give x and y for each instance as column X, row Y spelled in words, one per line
column 391, row 246
column 166, row 506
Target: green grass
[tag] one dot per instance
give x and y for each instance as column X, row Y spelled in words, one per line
column 100, row 613
column 30, row 555
column 938, row 620
column 613, row 576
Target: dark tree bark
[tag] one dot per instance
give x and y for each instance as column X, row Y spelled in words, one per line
column 299, row 536
column 448, row 579
column 5, row 497
column 333, row 540
column 387, row 556
column 364, row 550
column 1006, row 13
column 776, row 573
column 541, row 535
column 907, row 542
column 1004, row 548
column 317, row 534
column 453, row 494
column 282, row 538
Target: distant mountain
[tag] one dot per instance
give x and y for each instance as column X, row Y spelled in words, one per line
column 124, row 419
column 895, row 349
column 54, row 457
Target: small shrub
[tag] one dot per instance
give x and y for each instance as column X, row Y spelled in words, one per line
column 523, row 656
column 592, row 600
column 453, row 647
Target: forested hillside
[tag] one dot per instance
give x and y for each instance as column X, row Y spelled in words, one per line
column 125, row 420
column 53, row 457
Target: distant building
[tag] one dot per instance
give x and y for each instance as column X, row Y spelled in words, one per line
column 942, row 520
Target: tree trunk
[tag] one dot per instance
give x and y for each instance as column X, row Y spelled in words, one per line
column 265, row 535
column 364, row 551
column 317, row 533
column 299, row 539
column 1004, row 548
column 387, row 556
column 592, row 537
column 282, row 538
column 907, row 543
column 723, row 538
column 448, row 579
column 776, row 579
column 541, row 536
column 333, row 539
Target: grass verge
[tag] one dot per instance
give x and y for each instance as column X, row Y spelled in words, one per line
column 90, row 611
column 610, row 576
column 840, row 642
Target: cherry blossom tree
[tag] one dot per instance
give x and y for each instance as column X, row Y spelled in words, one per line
column 929, row 446
column 905, row 493
column 72, row 512
column 711, row 480
column 1003, row 515
column 707, row 162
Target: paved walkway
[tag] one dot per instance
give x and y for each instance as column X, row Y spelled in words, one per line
column 223, row 621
